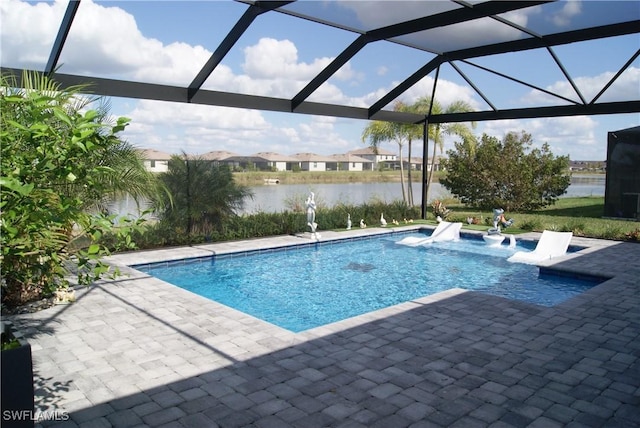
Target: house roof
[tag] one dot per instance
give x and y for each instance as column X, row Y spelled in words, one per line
column 451, row 36
column 370, row 151
column 218, row 155
column 348, row 157
column 152, row 154
column 275, row 157
column 312, row 157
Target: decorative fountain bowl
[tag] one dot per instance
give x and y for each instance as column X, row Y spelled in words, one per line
column 493, row 240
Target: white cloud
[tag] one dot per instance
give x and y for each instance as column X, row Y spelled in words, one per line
column 571, row 8
column 23, row 43
column 625, row 88
column 103, row 40
column 196, row 128
column 573, row 135
column 272, row 59
column 382, row 70
column 446, row 93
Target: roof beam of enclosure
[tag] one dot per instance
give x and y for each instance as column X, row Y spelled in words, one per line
column 605, row 31
column 473, row 85
column 513, row 79
column 583, row 35
column 150, row 91
column 63, row 32
column 159, row 92
column 328, row 71
column 614, row 78
column 549, row 49
column 405, row 85
column 619, row 107
column 230, row 40
column 420, row 24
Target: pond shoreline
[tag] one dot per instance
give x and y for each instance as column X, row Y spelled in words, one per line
column 255, row 178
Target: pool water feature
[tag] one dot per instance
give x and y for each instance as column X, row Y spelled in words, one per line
column 303, row 287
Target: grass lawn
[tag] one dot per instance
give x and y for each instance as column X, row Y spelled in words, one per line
column 582, row 216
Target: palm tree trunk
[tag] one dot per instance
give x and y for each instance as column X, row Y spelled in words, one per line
column 409, row 184
column 404, row 193
column 433, row 163
column 188, row 193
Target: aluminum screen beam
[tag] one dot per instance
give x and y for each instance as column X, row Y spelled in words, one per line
column 230, row 40
column 63, row 32
column 425, row 23
column 151, row 91
column 619, row 107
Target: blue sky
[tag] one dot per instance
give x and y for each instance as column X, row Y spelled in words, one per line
column 167, row 42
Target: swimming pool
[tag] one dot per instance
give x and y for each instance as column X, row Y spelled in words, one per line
column 302, row 287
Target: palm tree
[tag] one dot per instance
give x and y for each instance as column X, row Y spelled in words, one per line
column 123, row 172
column 204, row 194
column 412, row 132
column 378, row 132
column 437, row 131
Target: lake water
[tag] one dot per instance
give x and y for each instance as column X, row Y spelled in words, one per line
column 279, row 197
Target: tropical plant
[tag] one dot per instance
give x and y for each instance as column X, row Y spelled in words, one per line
column 437, row 131
column 204, row 195
column 440, row 210
column 412, row 132
column 379, row 132
column 508, row 174
column 53, row 159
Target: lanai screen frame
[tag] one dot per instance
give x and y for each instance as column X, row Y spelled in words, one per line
column 460, row 13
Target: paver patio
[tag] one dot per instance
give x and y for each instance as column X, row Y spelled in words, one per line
column 139, row 352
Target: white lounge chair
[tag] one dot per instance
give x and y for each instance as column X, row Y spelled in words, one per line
column 551, row 244
column 445, row 231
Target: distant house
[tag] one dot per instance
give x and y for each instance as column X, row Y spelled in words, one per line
column 415, row 164
column 217, row 155
column 348, row 162
column 312, row 161
column 263, row 161
column 382, row 157
column 587, row 166
column 155, row 160
column 275, row 161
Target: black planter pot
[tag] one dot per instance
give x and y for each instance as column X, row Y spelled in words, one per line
column 17, row 387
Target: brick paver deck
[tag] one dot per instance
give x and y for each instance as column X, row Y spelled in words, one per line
column 140, row 352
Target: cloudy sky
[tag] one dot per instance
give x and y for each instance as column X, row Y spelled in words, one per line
column 167, row 42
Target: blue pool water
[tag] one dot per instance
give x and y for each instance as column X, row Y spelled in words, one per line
column 317, row 284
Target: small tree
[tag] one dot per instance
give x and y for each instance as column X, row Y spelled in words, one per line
column 507, row 174
column 204, row 194
column 55, row 163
